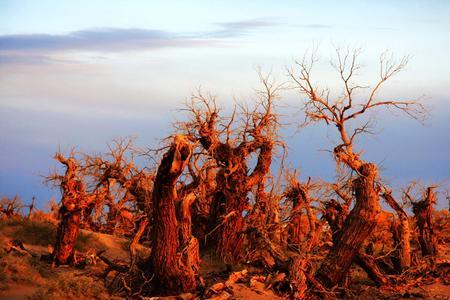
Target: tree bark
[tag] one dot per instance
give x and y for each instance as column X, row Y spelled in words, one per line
column 335, row 215
column 404, row 232
column 357, row 227
column 66, row 236
column 368, row 264
column 423, row 211
column 72, row 204
column 172, row 274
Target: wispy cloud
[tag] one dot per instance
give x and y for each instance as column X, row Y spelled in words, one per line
column 233, row 29
column 119, row 39
column 39, row 48
column 11, row 59
column 103, row 39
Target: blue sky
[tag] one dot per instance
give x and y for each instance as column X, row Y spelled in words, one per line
column 80, row 73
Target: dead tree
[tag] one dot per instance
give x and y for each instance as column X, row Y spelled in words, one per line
column 335, row 213
column 174, row 259
column 232, row 149
column 116, row 171
column 298, row 194
column 10, row 207
column 402, row 235
column 31, row 207
column 74, row 203
column 204, row 184
column 423, row 213
column 319, row 106
column 299, row 268
column 73, row 196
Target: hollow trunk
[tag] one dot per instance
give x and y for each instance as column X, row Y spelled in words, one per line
column 401, row 233
column 356, row 228
column 171, row 274
column 66, row 236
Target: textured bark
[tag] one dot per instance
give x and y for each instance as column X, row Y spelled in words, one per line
column 234, row 181
column 72, row 204
column 401, row 232
column 335, row 215
column 201, row 209
column 368, row 264
column 356, row 228
column 298, row 195
column 133, row 245
column 231, row 197
column 294, row 230
column 66, row 236
column 298, row 278
column 423, row 211
column 226, row 218
column 173, row 272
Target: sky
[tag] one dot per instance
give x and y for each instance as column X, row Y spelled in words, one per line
column 81, row 73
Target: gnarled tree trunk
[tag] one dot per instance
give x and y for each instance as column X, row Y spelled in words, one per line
column 356, row 228
column 174, row 270
column 66, row 236
column 423, row 211
column 403, row 234
column 227, row 208
column 72, row 204
column 335, row 215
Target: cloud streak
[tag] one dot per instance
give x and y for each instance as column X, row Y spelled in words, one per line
column 119, row 39
column 103, row 39
column 41, row 48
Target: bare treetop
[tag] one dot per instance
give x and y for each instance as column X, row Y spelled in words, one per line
column 319, row 105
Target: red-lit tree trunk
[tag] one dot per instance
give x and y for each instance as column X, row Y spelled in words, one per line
column 335, row 215
column 356, row 228
column 423, row 211
column 401, row 232
column 66, row 236
column 298, row 195
column 70, row 213
column 173, row 270
column 231, row 197
column 232, row 149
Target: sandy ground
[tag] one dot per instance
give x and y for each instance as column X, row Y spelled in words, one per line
column 28, row 276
